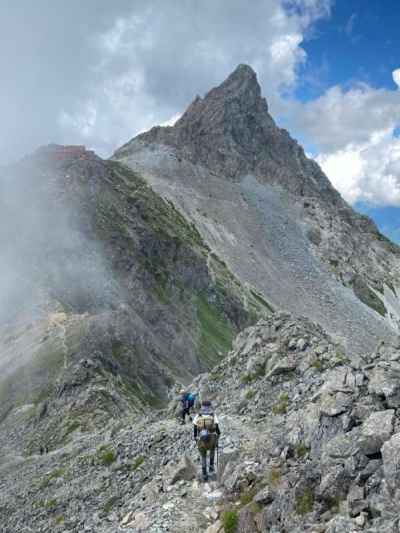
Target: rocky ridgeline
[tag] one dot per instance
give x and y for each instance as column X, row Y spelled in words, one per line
column 271, row 213
column 311, row 442
column 323, row 441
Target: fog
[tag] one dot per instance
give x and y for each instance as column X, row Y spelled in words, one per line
column 48, row 254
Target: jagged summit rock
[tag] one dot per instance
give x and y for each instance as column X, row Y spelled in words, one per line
column 231, row 132
column 271, row 212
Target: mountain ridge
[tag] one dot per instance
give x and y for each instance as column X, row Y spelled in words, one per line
column 131, row 277
column 207, row 159
column 231, row 132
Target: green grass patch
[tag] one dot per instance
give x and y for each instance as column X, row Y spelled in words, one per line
column 55, row 474
column 250, row 394
column 105, row 455
column 247, row 497
column 51, row 503
column 246, row 379
column 301, row 450
column 340, row 358
column 280, row 408
column 305, row 502
column 72, row 426
column 368, row 296
column 108, row 506
column 137, row 463
column 275, row 477
column 256, row 507
column 317, row 364
column 230, row 521
column 216, row 332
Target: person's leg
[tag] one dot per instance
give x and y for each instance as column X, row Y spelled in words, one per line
column 203, row 454
column 183, row 415
column 212, row 457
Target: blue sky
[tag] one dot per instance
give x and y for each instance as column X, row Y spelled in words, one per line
column 99, row 72
column 387, row 219
column 359, row 42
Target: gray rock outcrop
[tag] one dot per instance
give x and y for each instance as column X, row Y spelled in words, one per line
column 272, row 214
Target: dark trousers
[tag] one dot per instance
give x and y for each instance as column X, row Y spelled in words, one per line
column 185, row 411
column 203, row 454
column 209, row 446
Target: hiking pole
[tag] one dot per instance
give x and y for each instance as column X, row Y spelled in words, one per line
column 217, row 454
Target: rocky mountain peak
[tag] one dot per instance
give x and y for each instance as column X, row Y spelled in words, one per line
column 233, row 103
column 230, row 132
column 241, row 85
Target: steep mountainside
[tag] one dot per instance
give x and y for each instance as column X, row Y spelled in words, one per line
column 109, row 297
column 271, row 213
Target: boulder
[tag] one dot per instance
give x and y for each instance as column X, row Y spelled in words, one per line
column 281, row 365
column 302, row 344
column 340, row 447
column 391, row 462
column 140, row 522
column 340, row 524
column 256, row 365
column 384, row 382
column 355, row 500
column 246, row 522
column 215, row 528
column 185, row 470
column 335, row 404
column 334, row 484
column 264, row 496
column 376, row 430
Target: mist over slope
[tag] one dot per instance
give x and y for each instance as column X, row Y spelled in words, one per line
column 271, row 212
column 109, row 296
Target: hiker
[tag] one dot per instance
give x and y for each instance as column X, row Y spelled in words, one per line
column 187, row 401
column 206, row 433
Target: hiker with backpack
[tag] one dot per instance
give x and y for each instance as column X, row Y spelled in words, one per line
column 206, row 433
column 187, row 400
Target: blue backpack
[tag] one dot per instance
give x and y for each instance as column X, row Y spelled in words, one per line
column 190, row 399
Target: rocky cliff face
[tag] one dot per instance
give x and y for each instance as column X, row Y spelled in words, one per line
column 272, row 213
column 231, row 132
column 111, row 296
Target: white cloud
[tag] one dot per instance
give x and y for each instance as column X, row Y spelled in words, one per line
column 367, row 172
column 286, row 56
column 340, row 117
column 156, row 60
column 396, row 77
column 354, row 135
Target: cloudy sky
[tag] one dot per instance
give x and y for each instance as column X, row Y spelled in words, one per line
column 98, row 72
